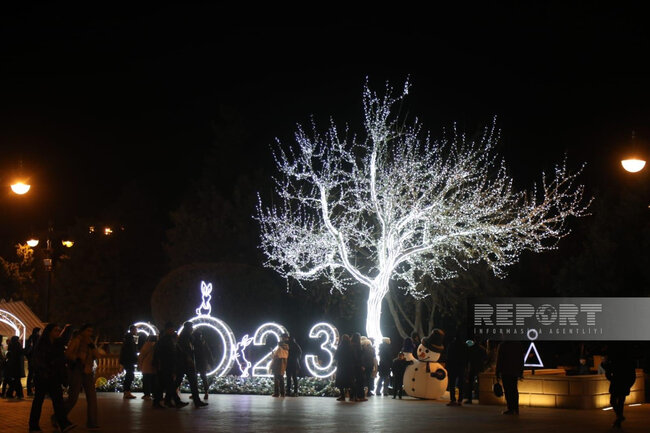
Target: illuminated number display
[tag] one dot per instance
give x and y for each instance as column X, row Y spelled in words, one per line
column 321, row 365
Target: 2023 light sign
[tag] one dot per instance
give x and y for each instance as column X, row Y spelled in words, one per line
column 234, row 351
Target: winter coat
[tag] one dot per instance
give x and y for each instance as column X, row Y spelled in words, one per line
column 145, row 358
column 129, row 352
column 621, row 374
column 344, row 366
column 295, row 353
column 15, row 363
column 510, row 359
column 165, row 353
column 81, row 354
column 398, row 368
column 279, row 362
column 385, row 359
column 202, row 354
column 48, row 361
column 456, row 356
column 477, row 358
column 185, row 352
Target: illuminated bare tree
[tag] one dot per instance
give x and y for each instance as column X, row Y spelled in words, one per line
column 396, row 205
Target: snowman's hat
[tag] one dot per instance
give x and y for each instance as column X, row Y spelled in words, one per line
column 434, row 342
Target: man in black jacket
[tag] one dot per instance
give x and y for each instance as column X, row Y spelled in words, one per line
column 165, row 360
column 128, row 360
column 510, row 369
column 293, row 366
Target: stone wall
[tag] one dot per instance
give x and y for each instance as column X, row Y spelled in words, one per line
column 559, row 390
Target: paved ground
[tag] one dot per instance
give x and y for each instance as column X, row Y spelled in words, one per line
column 253, row 413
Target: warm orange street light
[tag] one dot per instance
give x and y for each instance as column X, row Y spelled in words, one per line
column 20, row 188
column 67, row 243
column 633, row 165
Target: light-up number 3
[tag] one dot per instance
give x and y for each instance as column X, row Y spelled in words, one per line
column 328, row 346
column 263, row 366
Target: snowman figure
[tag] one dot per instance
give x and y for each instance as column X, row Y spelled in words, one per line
column 426, row 378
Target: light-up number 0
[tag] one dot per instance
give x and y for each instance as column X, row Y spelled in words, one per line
column 263, row 366
column 328, row 346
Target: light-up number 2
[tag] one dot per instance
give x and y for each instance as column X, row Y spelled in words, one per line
column 328, row 346
column 263, row 366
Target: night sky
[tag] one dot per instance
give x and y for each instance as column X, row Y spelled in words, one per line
column 95, row 100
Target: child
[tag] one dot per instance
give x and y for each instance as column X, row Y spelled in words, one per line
column 399, row 366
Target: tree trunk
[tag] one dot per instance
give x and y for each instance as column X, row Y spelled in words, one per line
column 373, row 319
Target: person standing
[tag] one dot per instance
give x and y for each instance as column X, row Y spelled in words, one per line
column 510, row 369
column 165, row 361
column 15, row 368
column 385, row 362
column 186, row 365
column 476, row 360
column 30, row 344
column 357, row 367
column 415, row 339
column 369, row 363
column 202, row 358
column 621, row 373
column 145, row 364
column 81, row 353
column 48, row 361
column 456, row 362
column 128, row 360
column 344, row 368
column 398, row 368
column 293, row 366
column 279, row 365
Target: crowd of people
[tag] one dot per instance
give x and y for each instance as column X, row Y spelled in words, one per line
column 62, row 358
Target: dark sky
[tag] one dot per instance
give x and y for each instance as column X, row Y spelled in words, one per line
column 92, row 101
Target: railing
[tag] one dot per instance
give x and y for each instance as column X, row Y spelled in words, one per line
column 108, row 366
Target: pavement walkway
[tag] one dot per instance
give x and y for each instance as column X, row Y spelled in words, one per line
column 255, row 413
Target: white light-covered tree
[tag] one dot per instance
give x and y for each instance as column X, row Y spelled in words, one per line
column 395, row 205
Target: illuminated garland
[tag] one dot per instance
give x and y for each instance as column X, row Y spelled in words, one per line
column 328, row 346
column 20, row 330
column 394, row 205
column 241, row 355
column 236, row 351
column 228, row 342
column 263, row 367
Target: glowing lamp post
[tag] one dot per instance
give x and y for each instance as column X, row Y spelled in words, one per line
column 20, row 188
column 633, row 165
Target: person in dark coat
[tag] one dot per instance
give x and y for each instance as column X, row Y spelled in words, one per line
column 30, row 344
column 357, row 367
column 165, row 360
column 15, row 368
column 293, row 367
column 129, row 359
column 385, row 363
column 415, row 339
column 620, row 371
column 202, row 358
column 456, row 362
column 398, row 368
column 510, row 369
column 344, row 368
column 476, row 361
column 50, row 374
column 369, row 365
column 186, row 365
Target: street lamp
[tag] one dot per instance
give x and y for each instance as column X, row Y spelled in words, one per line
column 20, row 188
column 633, row 165
column 635, row 162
